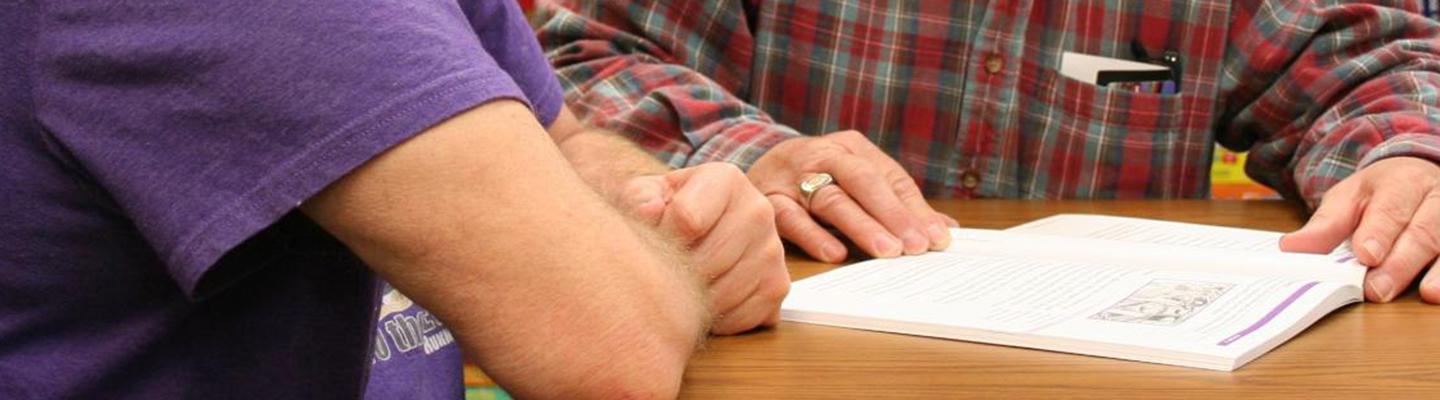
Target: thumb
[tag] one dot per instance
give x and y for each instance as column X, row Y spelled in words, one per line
column 645, row 197
column 1331, row 224
column 679, row 177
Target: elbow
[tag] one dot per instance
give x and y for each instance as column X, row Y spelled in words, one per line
column 658, row 387
column 650, row 368
column 656, row 371
column 659, row 378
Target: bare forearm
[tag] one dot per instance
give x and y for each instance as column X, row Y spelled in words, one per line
column 592, row 304
column 604, row 160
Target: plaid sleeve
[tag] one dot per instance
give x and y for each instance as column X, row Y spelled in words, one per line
column 1317, row 90
column 670, row 76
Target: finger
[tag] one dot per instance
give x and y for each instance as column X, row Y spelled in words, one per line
column 745, row 230
column 701, row 196
column 949, row 221
column 1430, row 287
column 1389, row 212
column 729, row 291
column 902, row 184
column 945, row 224
column 869, row 189
column 1332, row 223
column 645, row 198
column 759, row 308
column 832, row 205
column 909, row 194
column 940, row 239
column 774, row 318
column 1413, row 251
column 795, row 225
column 717, row 254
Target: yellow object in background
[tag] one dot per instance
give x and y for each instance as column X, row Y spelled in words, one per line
column 481, row 387
column 1229, row 182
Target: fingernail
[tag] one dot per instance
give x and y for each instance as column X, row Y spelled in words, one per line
column 1382, row 286
column 888, row 246
column 1430, row 292
column 1372, row 246
column 915, row 243
column 939, row 238
column 833, row 252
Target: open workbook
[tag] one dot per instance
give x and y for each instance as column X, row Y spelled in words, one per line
column 1164, row 292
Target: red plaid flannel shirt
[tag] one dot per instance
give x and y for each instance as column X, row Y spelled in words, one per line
column 966, row 94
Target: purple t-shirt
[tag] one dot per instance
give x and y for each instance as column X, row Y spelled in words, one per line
column 154, row 153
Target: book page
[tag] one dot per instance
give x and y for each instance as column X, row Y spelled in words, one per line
column 1155, row 256
column 948, row 294
column 1139, row 230
column 1005, row 287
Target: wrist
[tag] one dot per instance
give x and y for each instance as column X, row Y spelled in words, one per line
column 607, row 161
column 694, row 311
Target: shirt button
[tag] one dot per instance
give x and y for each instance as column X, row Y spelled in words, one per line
column 993, row 64
column 969, row 180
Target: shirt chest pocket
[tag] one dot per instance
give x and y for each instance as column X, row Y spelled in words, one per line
column 1078, row 139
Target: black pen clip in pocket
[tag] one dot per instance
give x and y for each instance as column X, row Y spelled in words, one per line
column 1170, row 59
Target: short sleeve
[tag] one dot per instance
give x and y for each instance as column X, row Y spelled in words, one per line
column 512, row 41
column 205, row 122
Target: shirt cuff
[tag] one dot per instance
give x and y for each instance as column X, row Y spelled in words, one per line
column 743, row 143
column 1336, row 169
column 1418, row 145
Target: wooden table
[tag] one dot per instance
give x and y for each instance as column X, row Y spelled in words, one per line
column 1363, row 351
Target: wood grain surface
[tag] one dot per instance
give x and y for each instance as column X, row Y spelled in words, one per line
column 1387, row 351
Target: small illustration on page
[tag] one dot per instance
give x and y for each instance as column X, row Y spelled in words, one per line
column 1164, row 302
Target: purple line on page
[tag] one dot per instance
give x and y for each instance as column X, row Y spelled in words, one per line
column 1274, row 312
column 1347, row 257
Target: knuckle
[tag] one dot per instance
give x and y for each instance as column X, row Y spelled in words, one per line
column 782, row 290
column 889, row 209
column 687, row 220
column 759, row 222
column 767, row 210
column 729, row 169
column 1344, row 188
column 701, row 170
column 827, row 201
column 858, row 164
column 775, row 291
column 774, row 252
column 760, row 213
column 897, row 218
column 849, row 134
column 1392, row 212
column 721, row 169
column 739, row 184
column 635, row 189
column 1329, row 215
column 775, row 268
column 904, row 186
column 822, row 163
column 791, row 218
column 1424, row 236
column 784, row 215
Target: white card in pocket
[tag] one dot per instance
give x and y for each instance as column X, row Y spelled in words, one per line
column 1086, row 68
